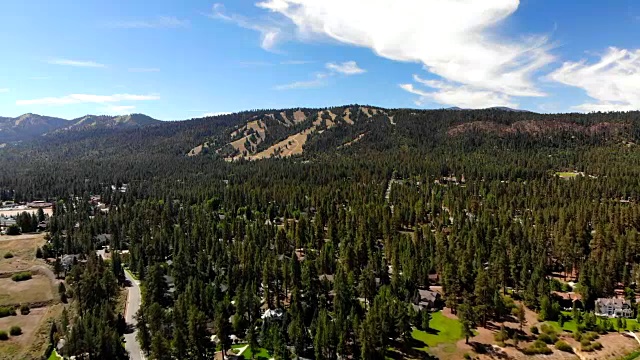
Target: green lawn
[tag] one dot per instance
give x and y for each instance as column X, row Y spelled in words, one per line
column 54, row 356
column 261, row 354
column 445, row 331
column 571, row 326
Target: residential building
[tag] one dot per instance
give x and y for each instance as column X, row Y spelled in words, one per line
column 614, row 308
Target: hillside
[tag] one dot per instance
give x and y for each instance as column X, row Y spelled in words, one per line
column 30, row 126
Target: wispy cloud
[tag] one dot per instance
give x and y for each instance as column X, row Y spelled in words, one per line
column 296, row 62
column 346, row 68
column 118, row 109
column 613, row 81
column 454, row 40
column 4, row 90
column 87, row 99
column 144, row 70
column 76, row 63
column 270, row 34
column 159, row 22
column 462, row 96
column 319, row 80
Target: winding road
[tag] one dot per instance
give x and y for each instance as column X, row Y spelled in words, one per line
column 134, row 299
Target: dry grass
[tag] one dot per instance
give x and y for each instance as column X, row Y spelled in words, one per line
column 35, row 331
column 23, row 248
column 37, row 290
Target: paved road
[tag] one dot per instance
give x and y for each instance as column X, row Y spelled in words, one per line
column 133, row 304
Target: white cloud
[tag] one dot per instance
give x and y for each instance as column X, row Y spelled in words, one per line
column 465, row 97
column 118, row 109
column 4, row 90
column 452, row 39
column 155, row 23
column 270, row 34
column 346, row 68
column 76, row 63
column 319, row 80
column 144, row 70
column 87, row 99
column 613, row 81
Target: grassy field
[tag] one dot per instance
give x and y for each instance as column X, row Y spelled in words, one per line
column 443, row 331
column 261, row 354
column 36, row 290
column 571, row 326
column 23, row 248
column 35, row 330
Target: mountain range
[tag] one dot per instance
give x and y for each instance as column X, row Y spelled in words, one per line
column 29, row 126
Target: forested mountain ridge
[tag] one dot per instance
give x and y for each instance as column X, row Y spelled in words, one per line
column 332, row 252
column 27, row 126
column 30, row 126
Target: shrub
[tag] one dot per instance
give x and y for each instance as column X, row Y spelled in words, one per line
column 577, row 336
column 467, row 356
column 547, row 329
column 538, row 347
column 548, row 338
column 591, row 336
column 21, row 276
column 7, row 311
column 39, row 254
column 563, row 346
column 24, row 309
column 591, row 347
column 8, row 255
column 4, row 335
column 15, row 331
column 534, row 330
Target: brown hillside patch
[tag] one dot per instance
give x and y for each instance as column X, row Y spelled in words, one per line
column 285, row 148
column 299, row 116
column 198, row 150
column 347, row 116
column 286, row 119
column 358, row 138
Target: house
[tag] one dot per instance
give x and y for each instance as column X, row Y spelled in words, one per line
column 614, row 308
column 568, row 300
column 427, row 299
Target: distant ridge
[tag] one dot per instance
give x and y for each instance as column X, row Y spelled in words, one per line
column 29, row 126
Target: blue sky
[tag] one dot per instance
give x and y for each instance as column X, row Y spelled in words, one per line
column 182, row 59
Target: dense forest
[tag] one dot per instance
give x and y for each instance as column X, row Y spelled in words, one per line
column 475, row 204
